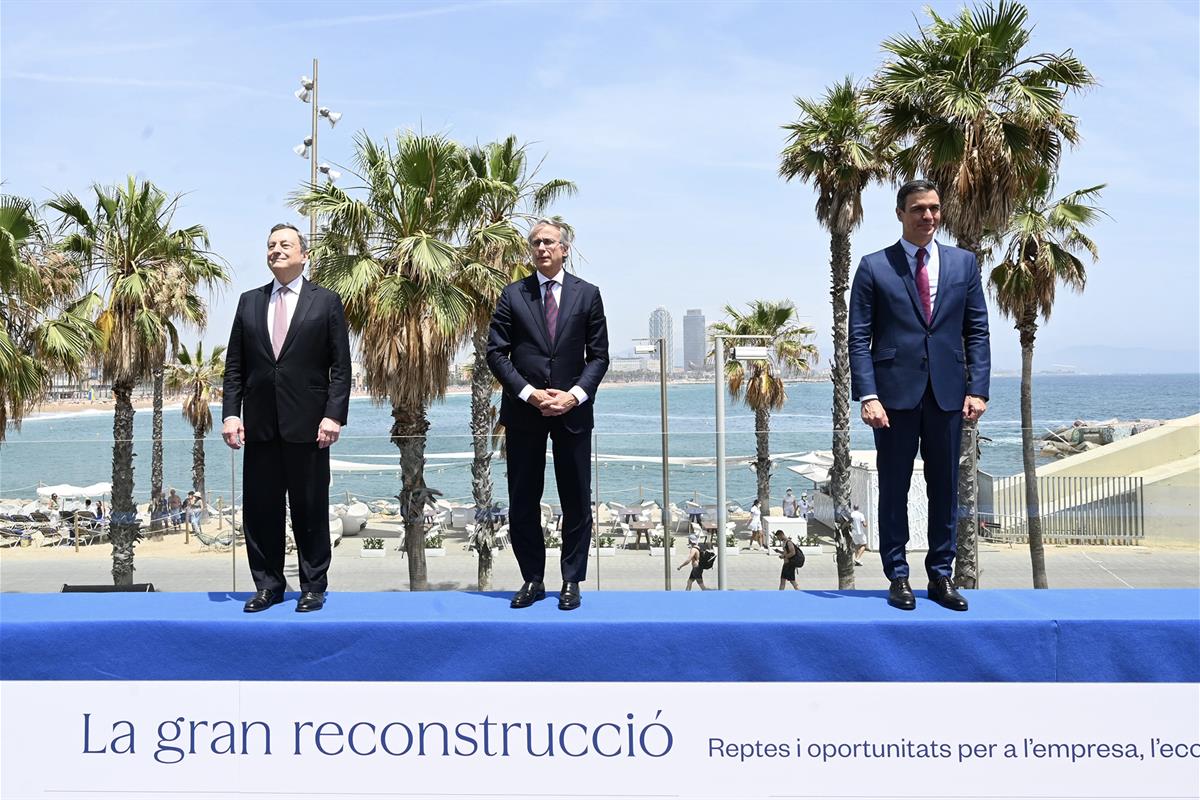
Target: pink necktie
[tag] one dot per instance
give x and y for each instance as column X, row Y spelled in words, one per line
column 923, row 285
column 280, row 326
column 551, row 310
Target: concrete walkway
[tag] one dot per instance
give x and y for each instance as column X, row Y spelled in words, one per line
column 174, row 567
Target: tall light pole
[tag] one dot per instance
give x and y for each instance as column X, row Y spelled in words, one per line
column 739, row 354
column 645, row 349
column 307, row 93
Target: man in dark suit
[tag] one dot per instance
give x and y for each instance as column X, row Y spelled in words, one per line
column 548, row 347
column 287, row 395
column 920, row 361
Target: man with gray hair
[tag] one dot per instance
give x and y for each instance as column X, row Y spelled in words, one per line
column 287, row 396
column 548, row 347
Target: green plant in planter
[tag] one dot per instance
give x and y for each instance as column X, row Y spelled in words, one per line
column 608, row 541
column 656, row 540
column 433, row 541
column 812, row 540
column 730, row 540
column 552, row 540
column 372, row 543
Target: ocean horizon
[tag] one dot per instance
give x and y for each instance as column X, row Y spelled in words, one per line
column 76, row 446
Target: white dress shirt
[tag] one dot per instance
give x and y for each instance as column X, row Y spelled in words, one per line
column 579, row 393
column 290, row 300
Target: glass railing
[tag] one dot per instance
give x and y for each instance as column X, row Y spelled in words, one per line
column 1126, row 501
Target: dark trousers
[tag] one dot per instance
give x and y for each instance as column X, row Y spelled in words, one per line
column 272, row 471
column 526, row 480
column 938, row 436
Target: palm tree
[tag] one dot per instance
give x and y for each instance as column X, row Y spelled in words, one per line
column 761, row 384
column 1043, row 236
column 199, row 379
column 981, row 119
column 834, row 145
column 128, row 242
column 45, row 323
column 500, row 190
column 393, row 260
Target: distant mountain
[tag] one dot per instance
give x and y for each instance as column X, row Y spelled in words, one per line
column 1106, row 359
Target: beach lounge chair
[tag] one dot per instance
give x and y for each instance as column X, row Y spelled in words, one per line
column 218, row 542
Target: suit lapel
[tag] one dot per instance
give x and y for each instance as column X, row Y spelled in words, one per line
column 570, row 299
column 947, row 267
column 899, row 261
column 533, row 298
column 261, row 304
column 303, row 305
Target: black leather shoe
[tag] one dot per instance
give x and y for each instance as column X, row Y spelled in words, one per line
column 262, row 600
column 529, row 593
column 568, row 598
column 900, row 595
column 311, row 601
column 942, row 592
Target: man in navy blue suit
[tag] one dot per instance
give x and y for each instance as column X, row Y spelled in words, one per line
column 548, row 347
column 920, row 361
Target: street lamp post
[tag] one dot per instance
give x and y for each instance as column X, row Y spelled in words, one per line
column 660, row 346
column 739, row 354
column 307, row 93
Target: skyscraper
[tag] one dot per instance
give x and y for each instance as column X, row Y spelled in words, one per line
column 694, row 344
column 662, row 327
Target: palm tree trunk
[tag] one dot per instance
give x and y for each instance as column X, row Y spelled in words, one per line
column 1037, row 553
column 408, row 434
column 762, row 460
column 839, row 475
column 966, row 562
column 481, row 465
column 156, row 455
column 123, row 524
column 198, row 467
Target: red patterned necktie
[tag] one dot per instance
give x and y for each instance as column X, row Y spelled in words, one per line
column 923, row 285
column 551, row 310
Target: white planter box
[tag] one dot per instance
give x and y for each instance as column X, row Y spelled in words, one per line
column 658, row 551
column 606, row 551
column 553, row 552
column 434, row 552
column 813, row 550
column 365, row 553
column 731, row 551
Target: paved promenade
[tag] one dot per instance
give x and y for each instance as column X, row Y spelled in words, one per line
column 173, row 566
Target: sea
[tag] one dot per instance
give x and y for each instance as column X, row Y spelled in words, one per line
column 76, row 448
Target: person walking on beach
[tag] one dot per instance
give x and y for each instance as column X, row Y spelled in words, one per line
column 195, row 511
column 756, row 527
column 920, row 361
column 793, row 559
column 790, row 505
column 858, row 534
column 548, row 347
column 175, row 508
column 287, row 396
column 695, row 558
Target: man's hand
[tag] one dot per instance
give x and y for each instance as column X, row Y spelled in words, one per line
column 233, row 433
column 973, row 407
column 874, row 414
column 560, row 403
column 540, row 398
column 328, row 432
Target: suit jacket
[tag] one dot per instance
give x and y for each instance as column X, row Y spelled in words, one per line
column 519, row 350
column 287, row 398
column 895, row 354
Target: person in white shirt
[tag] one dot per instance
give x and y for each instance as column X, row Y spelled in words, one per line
column 858, row 534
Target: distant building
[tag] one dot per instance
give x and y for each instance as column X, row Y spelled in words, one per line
column 695, row 346
column 662, row 327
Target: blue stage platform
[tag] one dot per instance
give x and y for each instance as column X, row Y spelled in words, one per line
column 1024, row 635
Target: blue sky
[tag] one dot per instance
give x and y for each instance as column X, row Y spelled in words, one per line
column 667, row 116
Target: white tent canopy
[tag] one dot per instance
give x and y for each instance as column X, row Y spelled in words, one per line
column 65, row 490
